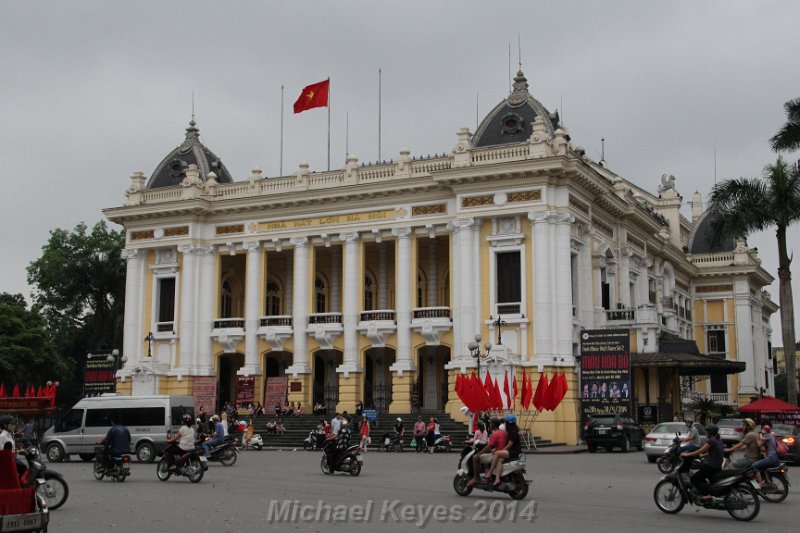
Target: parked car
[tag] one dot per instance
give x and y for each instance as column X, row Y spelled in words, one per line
column 613, row 432
column 657, row 441
column 731, row 430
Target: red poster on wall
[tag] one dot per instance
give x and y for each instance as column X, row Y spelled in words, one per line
column 204, row 393
column 245, row 389
column 275, row 392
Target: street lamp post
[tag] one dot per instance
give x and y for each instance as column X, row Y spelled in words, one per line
column 475, row 350
column 150, row 338
column 114, row 358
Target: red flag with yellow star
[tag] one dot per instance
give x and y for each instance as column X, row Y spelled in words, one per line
column 314, row 95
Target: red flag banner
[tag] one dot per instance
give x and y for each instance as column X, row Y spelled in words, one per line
column 507, row 391
column 527, row 394
column 314, row 95
column 498, row 398
column 514, row 403
column 541, row 390
column 564, row 386
column 524, row 388
column 3, row 390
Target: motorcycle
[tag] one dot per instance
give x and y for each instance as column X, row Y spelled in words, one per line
column 392, row 442
column 731, row 490
column 776, row 483
column 117, row 467
column 54, row 491
column 194, row 466
column 512, row 479
column 314, row 440
column 349, row 460
column 668, row 462
column 224, row 452
column 256, row 442
column 443, row 443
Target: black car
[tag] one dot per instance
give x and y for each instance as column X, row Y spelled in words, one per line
column 613, row 432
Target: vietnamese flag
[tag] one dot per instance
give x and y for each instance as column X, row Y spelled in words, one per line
column 524, row 387
column 507, row 390
column 527, row 393
column 564, row 386
column 515, row 391
column 3, row 390
column 15, row 392
column 314, row 95
column 498, row 399
column 541, row 390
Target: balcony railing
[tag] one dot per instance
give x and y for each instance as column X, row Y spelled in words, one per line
column 509, row 309
column 719, row 397
column 432, row 312
column 325, row 318
column 165, row 327
column 229, row 323
column 621, row 314
column 385, row 315
column 275, row 321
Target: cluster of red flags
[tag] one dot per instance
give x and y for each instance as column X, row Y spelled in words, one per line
column 480, row 396
column 47, row 391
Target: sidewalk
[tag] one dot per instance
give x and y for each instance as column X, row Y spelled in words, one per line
column 560, row 449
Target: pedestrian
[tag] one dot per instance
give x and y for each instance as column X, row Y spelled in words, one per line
column 418, row 433
column 364, row 430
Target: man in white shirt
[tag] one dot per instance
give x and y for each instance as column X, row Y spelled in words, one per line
column 336, row 424
column 7, row 426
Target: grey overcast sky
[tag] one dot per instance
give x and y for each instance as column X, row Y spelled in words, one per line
column 92, row 90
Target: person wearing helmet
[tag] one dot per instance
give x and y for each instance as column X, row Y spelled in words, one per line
column 701, row 480
column 342, row 443
column 399, row 428
column 182, row 443
column 511, row 450
column 216, row 438
column 750, row 444
column 766, row 441
column 497, row 441
column 692, row 437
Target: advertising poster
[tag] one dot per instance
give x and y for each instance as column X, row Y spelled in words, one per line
column 605, row 373
column 245, row 389
column 275, row 392
column 98, row 375
column 204, row 394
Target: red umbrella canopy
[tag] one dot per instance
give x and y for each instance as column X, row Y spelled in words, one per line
column 768, row 404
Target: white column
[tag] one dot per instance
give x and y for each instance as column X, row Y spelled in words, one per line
column 625, row 276
column 383, row 277
column 352, row 292
column 188, row 321
column 744, row 337
column 206, row 310
column 475, row 294
column 132, row 343
column 336, row 279
column 455, row 294
column 562, row 287
column 403, row 361
column 542, row 306
column 585, row 284
column 288, row 288
column 433, row 273
column 300, row 308
column 464, row 312
column 251, row 310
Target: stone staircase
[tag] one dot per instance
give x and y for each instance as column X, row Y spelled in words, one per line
column 298, row 427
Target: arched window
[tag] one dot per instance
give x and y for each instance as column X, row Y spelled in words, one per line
column 273, row 298
column 321, row 296
column 226, row 300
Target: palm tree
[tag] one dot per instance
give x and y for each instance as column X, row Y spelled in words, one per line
column 788, row 137
column 746, row 205
column 703, row 407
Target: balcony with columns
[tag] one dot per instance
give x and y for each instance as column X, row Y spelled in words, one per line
column 431, row 323
column 325, row 328
column 377, row 325
column 228, row 332
column 275, row 330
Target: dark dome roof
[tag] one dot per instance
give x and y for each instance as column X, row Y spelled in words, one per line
column 510, row 120
column 172, row 169
column 701, row 241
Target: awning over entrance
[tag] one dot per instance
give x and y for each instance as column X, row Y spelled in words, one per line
column 688, row 364
column 683, row 354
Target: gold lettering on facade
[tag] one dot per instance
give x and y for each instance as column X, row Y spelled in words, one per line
column 144, row 234
column 524, row 196
column 714, row 288
column 227, row 230
column 422, row 210
column 327, row 220
column 477, row 201
column 176, row 232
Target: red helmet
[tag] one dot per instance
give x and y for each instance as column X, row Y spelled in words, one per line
column 767, row 428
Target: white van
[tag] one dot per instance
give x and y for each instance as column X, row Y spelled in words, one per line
column 148, row 418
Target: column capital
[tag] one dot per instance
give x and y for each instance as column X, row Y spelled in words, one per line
column 537, row 217
column 299, row 242
column 251, row 246
column 349, row 237
column 462, row 223
column 401, row 233
column 130, row 253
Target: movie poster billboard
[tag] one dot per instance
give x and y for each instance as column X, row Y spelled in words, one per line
column 605, row 373
column 204, row 394
column 275, row 392
column 99, row 374
column 245, row 390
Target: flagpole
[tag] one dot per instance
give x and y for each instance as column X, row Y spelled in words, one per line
column 379, row 115
column 347, row 136
column 329, row 123
column 280, row 172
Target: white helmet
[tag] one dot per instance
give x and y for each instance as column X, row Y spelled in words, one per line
column 344, row 423
column 399, row 419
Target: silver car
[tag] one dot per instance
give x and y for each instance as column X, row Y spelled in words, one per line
column 731, row 430
column 657, row 441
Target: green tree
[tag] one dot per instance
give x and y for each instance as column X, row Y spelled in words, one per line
column 79, row 287
column 788, row 137
column 27, row 355
column 746, row 205
column 703, row 408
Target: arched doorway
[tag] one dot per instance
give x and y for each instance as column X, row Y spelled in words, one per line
column 432, row 383
column 229, row 364
column 326, row 379
column 378, row 378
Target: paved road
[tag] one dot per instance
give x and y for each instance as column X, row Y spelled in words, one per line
column 575, row 492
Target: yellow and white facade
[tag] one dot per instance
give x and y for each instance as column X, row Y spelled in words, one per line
column 369, row 282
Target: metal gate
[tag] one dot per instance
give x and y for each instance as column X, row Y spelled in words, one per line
column 331, row 397
column 382, row 397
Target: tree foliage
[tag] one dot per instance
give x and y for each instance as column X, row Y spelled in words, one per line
column 788, row 137
column 79, row 287
column 27, row 355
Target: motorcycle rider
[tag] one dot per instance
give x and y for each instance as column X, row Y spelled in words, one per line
column 480, row 434
column 182, row 444
column 342, row 443
column 117, row 441
column 511, row 450
column 216, row 438
column 497, row 441
column 701, row 480
column 766, row 440
column 749, row 442
column 692, row 437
